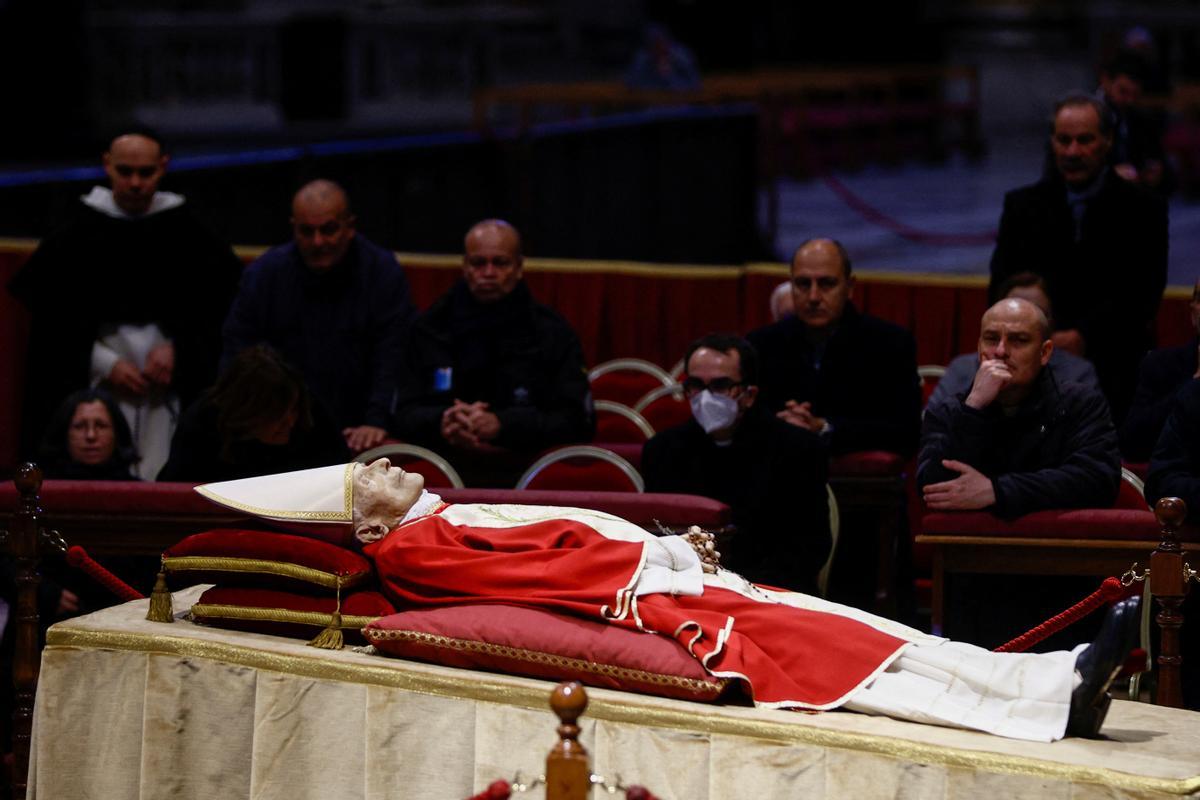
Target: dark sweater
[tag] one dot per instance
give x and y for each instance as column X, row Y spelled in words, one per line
column 518, row 356
column 866, row 384
column 343, row 329
column 772, row 476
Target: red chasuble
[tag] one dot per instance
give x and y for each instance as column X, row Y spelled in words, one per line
column 788, row 657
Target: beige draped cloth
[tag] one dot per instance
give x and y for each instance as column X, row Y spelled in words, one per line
column 133, row 709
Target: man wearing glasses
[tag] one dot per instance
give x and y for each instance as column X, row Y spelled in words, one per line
column 336, row 306
column 771, row 474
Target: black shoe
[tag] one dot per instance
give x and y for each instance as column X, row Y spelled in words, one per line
column 1099, row 663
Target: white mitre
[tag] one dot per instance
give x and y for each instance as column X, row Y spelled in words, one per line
column 313, row 502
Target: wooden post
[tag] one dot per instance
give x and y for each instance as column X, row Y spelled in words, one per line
column 568, row 773
column 23, row 545
column 1169, row 585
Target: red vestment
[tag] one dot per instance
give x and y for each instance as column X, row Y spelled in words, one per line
column 788, row 657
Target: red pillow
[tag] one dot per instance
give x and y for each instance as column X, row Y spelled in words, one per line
column 231, row 557
column 299, row 616
column 542, row 644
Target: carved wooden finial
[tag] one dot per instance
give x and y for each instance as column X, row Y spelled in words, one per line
column 567, row 768
column 28, row 478
column 1171, row 512
column 569, row 701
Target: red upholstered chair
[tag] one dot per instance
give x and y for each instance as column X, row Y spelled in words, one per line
column 616, row 422
column 626, row 380
column 664, row 407
column 412, row 458
column 870, row 484
column 582, row 467
column 929, row 375
column 1132, row 493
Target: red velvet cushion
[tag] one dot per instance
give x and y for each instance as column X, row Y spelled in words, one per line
column 584, row 473
column 1085, row 523
column 280, row 613
column 866, row 464
column 673, row 510
column 232, row 557
column 541, row 644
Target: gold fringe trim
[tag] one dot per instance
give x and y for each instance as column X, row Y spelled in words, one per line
column 692, row 685
column 327, row 580
column 160, row 609
column 314, row 619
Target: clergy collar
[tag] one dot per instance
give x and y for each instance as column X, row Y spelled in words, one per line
column 426, row 504
column 101, row 199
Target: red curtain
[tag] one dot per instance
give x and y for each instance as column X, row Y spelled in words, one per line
column 643, row 310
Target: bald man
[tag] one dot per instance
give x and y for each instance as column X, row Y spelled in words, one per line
column 487, row 367
column 127, row 292
column 845, row 376
column 336, row 306
column 1020, row 440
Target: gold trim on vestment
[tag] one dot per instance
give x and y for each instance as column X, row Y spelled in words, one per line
column 312, row 575
column 345, row 515
column 695, row 686
column 629, row 708
column 258, row 614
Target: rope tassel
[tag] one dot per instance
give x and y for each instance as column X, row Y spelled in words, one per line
column 160, row 600
column 331, row 637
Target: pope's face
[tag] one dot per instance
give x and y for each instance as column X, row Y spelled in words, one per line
column 383, row 494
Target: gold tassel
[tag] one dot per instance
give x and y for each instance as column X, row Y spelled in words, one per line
column 331, row 638
column 160, row 601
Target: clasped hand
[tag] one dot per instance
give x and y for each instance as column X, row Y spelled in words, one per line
column 800, row 415
column 469, row 425
column 160, row 367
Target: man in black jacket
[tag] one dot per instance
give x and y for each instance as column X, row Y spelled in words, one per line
column 845, row 376
column 487, row 369
column 1099, row 241
column 771, row 474
column 1163, row 374
column 1018, row 441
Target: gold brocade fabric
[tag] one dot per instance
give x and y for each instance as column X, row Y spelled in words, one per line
column 133, row 709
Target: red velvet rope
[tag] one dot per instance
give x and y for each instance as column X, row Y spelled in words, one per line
column 78, row 557
column 1110, row 591
column 874, row 215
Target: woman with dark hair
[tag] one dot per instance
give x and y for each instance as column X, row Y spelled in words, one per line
column 257, row 419
column 88, row 439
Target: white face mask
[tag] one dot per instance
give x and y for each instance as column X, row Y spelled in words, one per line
column 714, row 412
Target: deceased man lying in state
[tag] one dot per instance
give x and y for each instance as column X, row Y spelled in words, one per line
column 791, row 650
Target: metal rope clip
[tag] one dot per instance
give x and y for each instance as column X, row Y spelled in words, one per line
column 1131, row 575
column 1189, row 574
column 54, row 539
